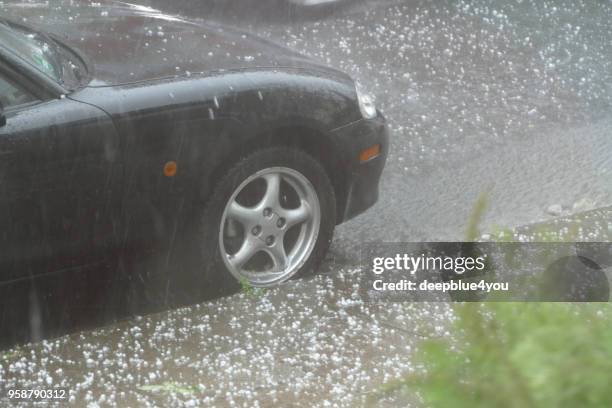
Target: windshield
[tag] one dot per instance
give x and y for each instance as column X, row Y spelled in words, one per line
column 33, row 48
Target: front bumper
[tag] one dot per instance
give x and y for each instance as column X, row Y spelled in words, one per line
column 362, row 178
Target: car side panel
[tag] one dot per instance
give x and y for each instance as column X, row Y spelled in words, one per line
column 198, row 123
column 59, row 174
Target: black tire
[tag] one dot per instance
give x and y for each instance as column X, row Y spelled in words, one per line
column 215, row 274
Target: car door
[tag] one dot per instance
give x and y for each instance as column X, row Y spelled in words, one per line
column 60, row 174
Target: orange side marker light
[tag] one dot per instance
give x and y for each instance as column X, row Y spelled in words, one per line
column 369, row 153
column 170, row 169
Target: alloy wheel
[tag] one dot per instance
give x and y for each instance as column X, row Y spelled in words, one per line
column 270, row 226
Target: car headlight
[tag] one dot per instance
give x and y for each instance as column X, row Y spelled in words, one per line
column 367, row 103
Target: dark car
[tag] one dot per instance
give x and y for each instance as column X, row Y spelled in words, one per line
column 123, row 127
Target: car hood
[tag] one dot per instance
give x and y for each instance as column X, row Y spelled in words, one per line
column 127, row 43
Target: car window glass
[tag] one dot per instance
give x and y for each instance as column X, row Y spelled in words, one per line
column 10, row 95
column 32, row 48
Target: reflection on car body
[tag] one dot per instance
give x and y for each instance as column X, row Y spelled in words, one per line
column 133, row 128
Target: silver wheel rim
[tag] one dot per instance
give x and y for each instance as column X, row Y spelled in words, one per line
column 266, row 242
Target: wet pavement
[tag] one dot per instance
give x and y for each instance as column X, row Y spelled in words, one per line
column 511, row 98
column 508, row 98
column 311, row 343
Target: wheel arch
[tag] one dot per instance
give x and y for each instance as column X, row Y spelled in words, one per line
column 312, row 141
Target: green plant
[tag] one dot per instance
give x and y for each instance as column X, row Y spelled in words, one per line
column 251, row 290
column 518, row 355
column 502, row 234
column 472, row 232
